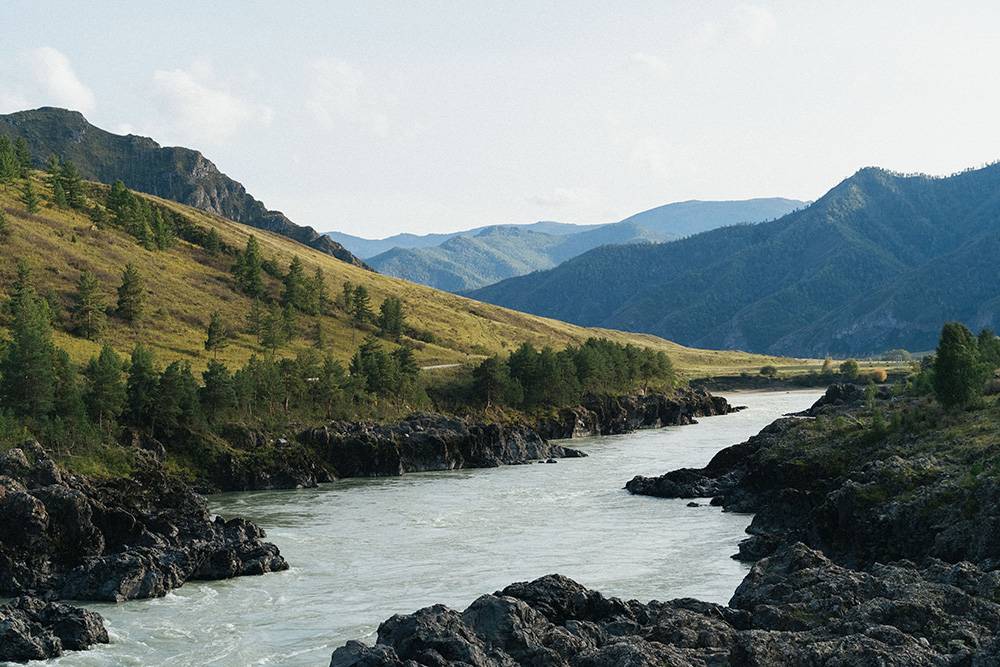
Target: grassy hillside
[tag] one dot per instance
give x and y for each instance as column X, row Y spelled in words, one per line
column 186, row 284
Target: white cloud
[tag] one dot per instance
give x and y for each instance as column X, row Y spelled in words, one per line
column 339, row 94
column 565, row 198
column 197, row 107
column 654, row 63
column 52, row 72
column 757, row 24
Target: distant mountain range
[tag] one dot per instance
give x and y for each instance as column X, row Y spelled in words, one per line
column 180, row 174
column 476, row 257
column 879, row 262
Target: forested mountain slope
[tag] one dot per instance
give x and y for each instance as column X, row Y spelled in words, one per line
column 468, row 261
column 880, row 261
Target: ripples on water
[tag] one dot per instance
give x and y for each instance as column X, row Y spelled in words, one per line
column 362, row 550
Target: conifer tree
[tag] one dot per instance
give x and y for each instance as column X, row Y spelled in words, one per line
column 213, row 242
column 67, row 394
column 492, row 383
column 26, row 365
column 391, row 318
column 59, row 196
column 163, row 234
column 959, row 372
column 295, row 294
column 218, row 393
column 346, row 297
column 9, row 167
column 271, row 335
column 119, row 199
column 53, row 171
column 248, row 267
column 289, row 328
column 88, row 307
column 361, row 310
column 105, row 395
column 72, row 184
column 318, row 335
column 131, row 295
column 177, row 407
column 255, row 318
column 4, row 227
column 140, row 390
column 319, row 297
column 23, row 155
column 218, row 334
column 29, row 197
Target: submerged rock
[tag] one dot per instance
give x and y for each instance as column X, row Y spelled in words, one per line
column 795, row 608
column 425, row 442
column 33, row 629
column 65, row 536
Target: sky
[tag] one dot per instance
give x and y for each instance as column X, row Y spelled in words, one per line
column 376, row 118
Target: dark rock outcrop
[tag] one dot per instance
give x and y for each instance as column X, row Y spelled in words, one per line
column 33, row 629
column 612, row 415
column 180, row 174
column 795, row 608
column 425, row 442
column 64, row 536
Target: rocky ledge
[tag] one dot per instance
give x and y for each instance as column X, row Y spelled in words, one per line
column 613, row 415
column 794, row 608
column 425, row 442
column 33, row 629
column 65, row 536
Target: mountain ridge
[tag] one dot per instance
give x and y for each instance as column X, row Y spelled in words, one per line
column 180, row 174
column 770, row 287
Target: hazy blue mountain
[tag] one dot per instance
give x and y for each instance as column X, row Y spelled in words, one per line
column 880, row 261
column 491, row 254
column 181, row 174
column 366, row 248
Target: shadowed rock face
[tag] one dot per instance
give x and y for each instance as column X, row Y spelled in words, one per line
column 33, row 629
column 613, row 415
column 425, row 442
column 795, row 608
column 180, row 174
column 64, row 536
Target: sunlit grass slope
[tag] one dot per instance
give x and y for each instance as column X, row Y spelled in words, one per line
column 186, row 284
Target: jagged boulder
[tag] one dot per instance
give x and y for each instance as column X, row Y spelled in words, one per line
column 33, row 629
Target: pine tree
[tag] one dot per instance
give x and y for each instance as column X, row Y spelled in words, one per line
column 492, row 383
column 959, row 372
column 140, row 391
column 119, row 200
column 318, row 335
column 164, row 236
column 53, row 172
column 391, row 318
column 271, row 335
column 29, row 197
column 289, row 328
column 248, row 267
column 295, row 294
column 346, row 297
column 105, row 395
column 177, row 407
column 319, row 297
column 218, row 393
column 361, row 310
column 255, row 318
column 329, row 387
column 4, row 227
column 72, row 184
column 131, row 295
column 213, row 242
column 88, row 307
column 26, row 366
column 67, row 395
column 59, row 195
column 23, row 155
column 406, row 363
column 9, row 167
column 218, row 334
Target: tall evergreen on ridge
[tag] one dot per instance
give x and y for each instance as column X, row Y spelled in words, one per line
column 131, row 295
column 88, row 307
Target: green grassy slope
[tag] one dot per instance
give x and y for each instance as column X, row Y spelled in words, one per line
column 186, row 285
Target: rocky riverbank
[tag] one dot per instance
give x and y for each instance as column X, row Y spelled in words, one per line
column 67, row 537
column 33, row 629
column 613, row 415
column 425, row 442
column 875, row 541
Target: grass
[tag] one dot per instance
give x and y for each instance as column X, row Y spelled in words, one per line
column 186, row 285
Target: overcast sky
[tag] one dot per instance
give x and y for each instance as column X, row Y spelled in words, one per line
column 381, row 117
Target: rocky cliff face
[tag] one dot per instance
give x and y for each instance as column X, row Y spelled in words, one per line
column 64, row 536
column 613, row 415
column 426, row 442
column 179, row 174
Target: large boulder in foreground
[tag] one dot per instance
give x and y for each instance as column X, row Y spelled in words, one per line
column 427, row 441
column 794, row 608
column 33, row 629
column 65, row 536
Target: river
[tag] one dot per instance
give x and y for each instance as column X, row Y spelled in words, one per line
column 362, row 550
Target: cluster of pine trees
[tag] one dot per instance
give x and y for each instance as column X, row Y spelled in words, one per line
column 961, row 366
column 15, row 159
column 530, row 378
column 41, row 388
